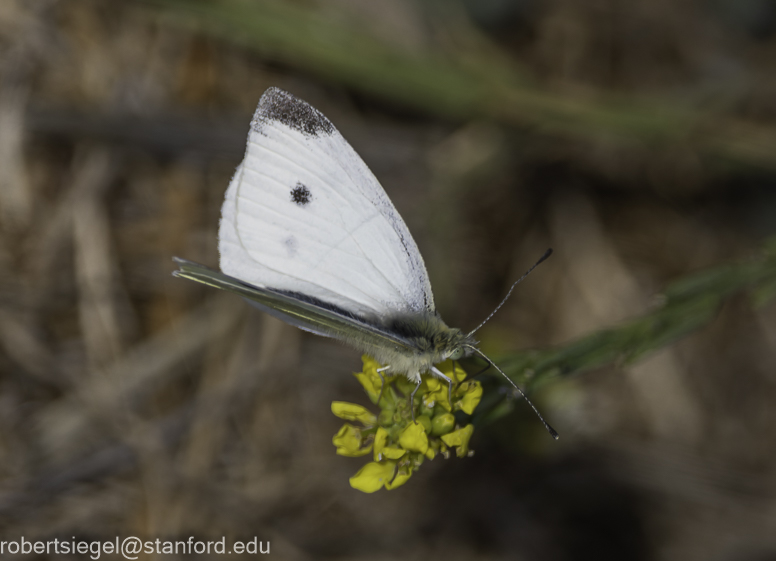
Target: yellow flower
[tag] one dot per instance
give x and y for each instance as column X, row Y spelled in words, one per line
column 381, row 449
column 459, row 440
column 349, row 442
column 438, row 392
column 401, row 477
column 471, row 398
column 399, row 438
column 369, row 378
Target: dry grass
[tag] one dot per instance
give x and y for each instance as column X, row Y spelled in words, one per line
column 132, row 403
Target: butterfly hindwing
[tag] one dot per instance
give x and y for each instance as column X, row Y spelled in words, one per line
column 297, row 311
column 303, row 214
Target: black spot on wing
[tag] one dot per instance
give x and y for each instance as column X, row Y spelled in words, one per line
column 300, row 194
column 281, row 106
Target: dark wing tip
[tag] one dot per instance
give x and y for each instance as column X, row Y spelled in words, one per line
column 277, row 105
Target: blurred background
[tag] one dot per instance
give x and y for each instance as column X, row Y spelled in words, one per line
column 637, row 139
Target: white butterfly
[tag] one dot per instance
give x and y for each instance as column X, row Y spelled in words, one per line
column 309, row 236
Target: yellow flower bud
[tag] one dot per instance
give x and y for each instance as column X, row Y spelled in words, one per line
column 425, row 420
column 385, row 418
column 442, row 424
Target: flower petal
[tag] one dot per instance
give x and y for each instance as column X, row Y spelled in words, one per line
column 393, row 452
column 373, row 476
column 472, row 397
column 439, row 392
column 400, row 479
column 459, row 440
column 353, row 412
column 381, row 440
column 453, row 371
column 414, row 438
column 369, row 378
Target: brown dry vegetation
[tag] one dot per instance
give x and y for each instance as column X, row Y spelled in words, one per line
column 133, row 403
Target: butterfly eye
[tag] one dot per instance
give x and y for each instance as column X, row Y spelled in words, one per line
column 456, row 354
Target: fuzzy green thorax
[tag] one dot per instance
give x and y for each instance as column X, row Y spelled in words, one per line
column 433, row 340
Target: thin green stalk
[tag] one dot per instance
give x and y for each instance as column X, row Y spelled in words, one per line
column 686, row 306
column 461, row 86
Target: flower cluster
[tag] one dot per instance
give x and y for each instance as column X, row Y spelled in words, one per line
column 398, row 444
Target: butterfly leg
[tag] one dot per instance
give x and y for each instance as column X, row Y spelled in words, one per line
column 412, row 399
column 441, row 375
column 382, row 387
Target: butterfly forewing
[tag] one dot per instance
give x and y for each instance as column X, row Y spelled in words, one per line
column 304, row 214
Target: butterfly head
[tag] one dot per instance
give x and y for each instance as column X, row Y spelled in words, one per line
column 453, row 344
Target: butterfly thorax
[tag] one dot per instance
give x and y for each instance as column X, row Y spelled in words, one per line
column 432, row 339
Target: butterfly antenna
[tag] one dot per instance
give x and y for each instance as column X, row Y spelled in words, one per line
column 528, row 272
column 551, row 430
